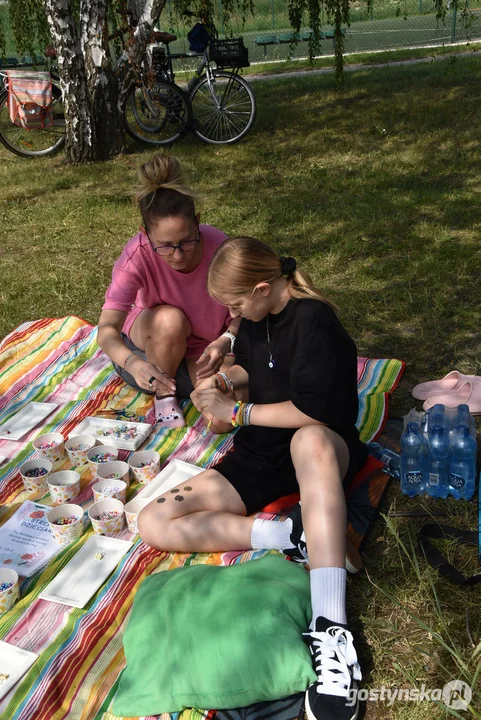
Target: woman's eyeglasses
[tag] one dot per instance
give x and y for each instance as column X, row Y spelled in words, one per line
column 169, row 249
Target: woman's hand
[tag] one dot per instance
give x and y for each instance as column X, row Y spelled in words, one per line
column 213, row 402
column 212, row 357
column 150, row 377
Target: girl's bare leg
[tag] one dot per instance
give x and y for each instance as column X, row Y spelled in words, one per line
column 209, row 518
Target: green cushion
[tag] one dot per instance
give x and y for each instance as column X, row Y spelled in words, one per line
column 216, row 637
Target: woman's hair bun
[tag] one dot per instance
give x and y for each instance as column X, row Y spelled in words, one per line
column 162, row 172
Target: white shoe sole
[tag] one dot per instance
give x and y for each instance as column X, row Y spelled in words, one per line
column 310, row 715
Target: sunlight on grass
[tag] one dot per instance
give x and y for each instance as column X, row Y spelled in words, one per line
column 375, row 189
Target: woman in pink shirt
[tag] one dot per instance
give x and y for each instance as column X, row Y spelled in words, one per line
column 158, row 324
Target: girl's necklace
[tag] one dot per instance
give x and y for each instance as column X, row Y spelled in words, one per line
column 272, row 362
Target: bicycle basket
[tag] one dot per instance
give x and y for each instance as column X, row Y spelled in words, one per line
column 29, row 99
column 229, row 53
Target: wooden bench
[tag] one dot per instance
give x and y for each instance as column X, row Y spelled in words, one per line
column 290, row 37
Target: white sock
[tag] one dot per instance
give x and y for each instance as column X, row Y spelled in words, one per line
column 271, row 535
column 328, row 594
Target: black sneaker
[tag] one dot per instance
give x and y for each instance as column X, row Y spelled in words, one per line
column 334, row 695
column 298, row 553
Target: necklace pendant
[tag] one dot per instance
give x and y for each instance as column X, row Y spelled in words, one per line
column 272, row 364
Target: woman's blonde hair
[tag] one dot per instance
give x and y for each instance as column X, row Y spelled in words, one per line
column 163, row 190
column 241, row 263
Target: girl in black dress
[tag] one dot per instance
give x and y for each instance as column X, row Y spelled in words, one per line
column 298, row 367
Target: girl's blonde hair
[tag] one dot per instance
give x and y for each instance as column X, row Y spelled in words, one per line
column 163, row 190
column 241, row 263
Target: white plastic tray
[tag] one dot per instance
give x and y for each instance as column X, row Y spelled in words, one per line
column 176, row 473
column 25, row 420
column 95, row 425
column 85, row 573
column 14, row 663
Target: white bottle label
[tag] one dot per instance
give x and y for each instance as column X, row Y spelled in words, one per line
column 415, row 477
column 456, row 481
column 433, row 479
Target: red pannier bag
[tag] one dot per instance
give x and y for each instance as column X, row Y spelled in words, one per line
column 30, row 99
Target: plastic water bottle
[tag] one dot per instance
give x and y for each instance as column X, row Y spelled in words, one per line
column 438, row 471
column 413, row 460
column 462, row 470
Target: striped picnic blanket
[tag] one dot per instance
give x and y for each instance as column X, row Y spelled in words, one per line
column 80, row 650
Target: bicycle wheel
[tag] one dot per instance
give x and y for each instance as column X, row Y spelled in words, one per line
column 33, row 143
column 225, row 110
column 159, row 118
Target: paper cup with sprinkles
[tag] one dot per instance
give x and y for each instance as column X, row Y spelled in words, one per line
column 34, row 474
column 145, row 465
column 107, row 517
column 77, row 448
column 101, row 454
column 132, row 510
column 114, row 470
column 9, row 589
column 66, row 523
column 110, row 488
column 63, row 486
column 50, row 446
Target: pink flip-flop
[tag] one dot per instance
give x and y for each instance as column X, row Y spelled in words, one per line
column 468, row 394
column 452, row 382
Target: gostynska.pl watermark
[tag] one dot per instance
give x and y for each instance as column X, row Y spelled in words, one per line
column 456, row 694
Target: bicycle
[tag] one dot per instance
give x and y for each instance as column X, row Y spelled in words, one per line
column 167, row 108
column 223, row 105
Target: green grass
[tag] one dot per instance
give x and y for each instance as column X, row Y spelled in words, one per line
column 375, row 189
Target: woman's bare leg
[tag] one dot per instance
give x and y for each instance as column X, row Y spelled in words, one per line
column 162, row 333
column 209, row 518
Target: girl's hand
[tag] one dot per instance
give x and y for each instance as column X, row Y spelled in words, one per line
column 214, row 402
column 143, row 372
column 210, row 382
column 212, row 357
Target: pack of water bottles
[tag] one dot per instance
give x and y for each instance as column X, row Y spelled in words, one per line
column 438, row 453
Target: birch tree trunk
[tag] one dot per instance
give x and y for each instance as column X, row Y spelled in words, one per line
column 94, row 95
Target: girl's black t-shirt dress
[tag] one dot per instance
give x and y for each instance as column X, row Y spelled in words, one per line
column 315, row 366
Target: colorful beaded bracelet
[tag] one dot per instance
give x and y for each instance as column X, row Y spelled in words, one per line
column 235, row 411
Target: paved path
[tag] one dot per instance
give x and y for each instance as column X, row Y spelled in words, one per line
column 360, row 66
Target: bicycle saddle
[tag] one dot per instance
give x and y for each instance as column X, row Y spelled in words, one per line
column 163, row 37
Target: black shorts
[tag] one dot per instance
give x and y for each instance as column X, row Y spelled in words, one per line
column 183, row 382
column 260, row 481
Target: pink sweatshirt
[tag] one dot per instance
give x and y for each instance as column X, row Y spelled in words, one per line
column 141, row 279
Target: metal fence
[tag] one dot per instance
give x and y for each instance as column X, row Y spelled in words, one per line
column 393, row 24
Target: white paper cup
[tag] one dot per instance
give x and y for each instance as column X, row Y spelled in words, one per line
column 106, row 452
column 109, row 526
column 9, row 596
column 110, row 488
column 65, row 534
column 39, row 483
column 77, row 448
column 132, row 510
column 56, row 446
column 63, row 486
column 114, row 470
column 150, row 459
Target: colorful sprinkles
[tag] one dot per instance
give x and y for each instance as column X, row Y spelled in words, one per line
column 36, row 472
column 66, row 520
column 108, row 515
column 103, row 457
